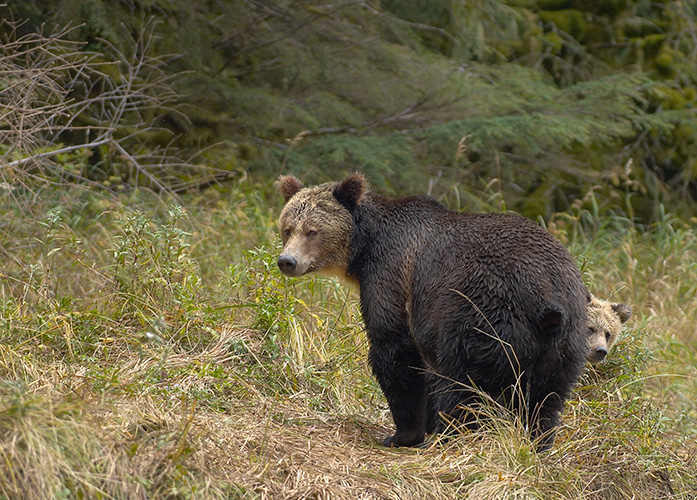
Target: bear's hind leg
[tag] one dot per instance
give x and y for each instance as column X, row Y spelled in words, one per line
column 545, row 404
column 543, row 416
column 456, row 402
column 400, row 373
column 432, row 412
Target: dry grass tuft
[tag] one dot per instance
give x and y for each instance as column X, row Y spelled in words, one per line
column 48, row 449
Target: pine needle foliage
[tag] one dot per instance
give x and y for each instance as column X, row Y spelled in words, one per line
column 554, row 94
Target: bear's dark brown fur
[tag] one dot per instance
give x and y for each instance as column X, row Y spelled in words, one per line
column 488, row 301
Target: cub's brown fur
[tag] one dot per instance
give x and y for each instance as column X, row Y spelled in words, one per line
column 605, row 320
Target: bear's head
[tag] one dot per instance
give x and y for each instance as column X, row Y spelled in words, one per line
column 316, row 225
column 605, row 321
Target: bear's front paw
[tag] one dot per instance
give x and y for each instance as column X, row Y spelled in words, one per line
column 403, row 439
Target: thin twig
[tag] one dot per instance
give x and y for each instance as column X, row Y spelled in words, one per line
column 67, row 149
column 144, row 171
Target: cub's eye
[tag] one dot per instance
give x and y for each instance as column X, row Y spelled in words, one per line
column 592, row 330
column 607, row 336
column 286, row 232
column 311, row 233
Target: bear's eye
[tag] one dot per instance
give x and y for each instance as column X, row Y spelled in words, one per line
column 311, row 233
column 607, row 336
column 592, row 330
column 286, row 232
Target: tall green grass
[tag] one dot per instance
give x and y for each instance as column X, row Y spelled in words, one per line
column 151, row 350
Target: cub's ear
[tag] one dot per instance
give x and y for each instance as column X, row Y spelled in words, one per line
column 624, row 311
column 288, row 185
column 351, row 190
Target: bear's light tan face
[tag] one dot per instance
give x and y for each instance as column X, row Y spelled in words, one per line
column 604, row 324
column 316, row 231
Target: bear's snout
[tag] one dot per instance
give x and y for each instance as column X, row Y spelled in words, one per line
column 600, row 353
column 287, row 264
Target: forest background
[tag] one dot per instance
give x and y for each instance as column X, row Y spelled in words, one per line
column 150, row 349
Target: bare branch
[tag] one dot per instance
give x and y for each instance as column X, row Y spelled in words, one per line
column 142, row 170
column 56, row 100
column 48, row 154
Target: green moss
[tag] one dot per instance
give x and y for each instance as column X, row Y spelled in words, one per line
column 685, row 133
column 666, row 61
column 604, row 8
column 554, row 4
column 672, row 98
column 636, row 27
column 690, row 94
column 530, row 37
column 554, row 41
column 526, row 4
column 599, row 32
column 653, row 45
column 570, row 21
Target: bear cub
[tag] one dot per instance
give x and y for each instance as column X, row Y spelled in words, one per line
column 454, row 304
column 605, row 320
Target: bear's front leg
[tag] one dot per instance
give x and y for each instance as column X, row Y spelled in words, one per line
column 400, row 373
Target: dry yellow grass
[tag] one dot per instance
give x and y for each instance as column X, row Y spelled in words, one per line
column 59, row 435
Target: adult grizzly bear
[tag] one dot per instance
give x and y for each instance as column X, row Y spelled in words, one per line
column 488, row 301
column 605, row 320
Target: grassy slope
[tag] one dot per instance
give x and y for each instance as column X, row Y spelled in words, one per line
column 153, row 353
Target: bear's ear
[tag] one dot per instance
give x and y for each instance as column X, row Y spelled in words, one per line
column 351, row 190
column 624, row 311
column 551, row 319
column 288, row 185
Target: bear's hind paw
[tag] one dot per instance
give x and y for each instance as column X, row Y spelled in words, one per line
column 398, row 440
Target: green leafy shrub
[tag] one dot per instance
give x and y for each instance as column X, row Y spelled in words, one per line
column 152, row 268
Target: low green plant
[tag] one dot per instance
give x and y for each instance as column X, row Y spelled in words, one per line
column 152, row 266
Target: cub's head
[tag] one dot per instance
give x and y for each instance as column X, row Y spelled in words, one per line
column 605, row 321
column 316, row 225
